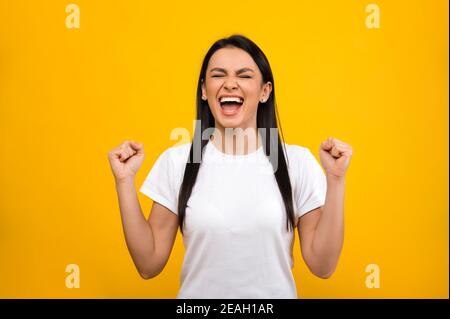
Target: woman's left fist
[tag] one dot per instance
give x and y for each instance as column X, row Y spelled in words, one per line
column 335, row 157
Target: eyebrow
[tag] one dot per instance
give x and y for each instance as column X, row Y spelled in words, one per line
column 237, row 72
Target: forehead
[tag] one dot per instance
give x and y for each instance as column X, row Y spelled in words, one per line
column 232, row 59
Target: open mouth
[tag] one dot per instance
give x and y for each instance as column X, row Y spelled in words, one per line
column 231, row 105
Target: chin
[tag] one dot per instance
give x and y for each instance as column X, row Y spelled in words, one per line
column 231, row 123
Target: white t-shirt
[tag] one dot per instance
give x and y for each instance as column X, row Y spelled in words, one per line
column 235, row 237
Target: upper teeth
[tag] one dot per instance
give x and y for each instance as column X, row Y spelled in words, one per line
column 230, row 99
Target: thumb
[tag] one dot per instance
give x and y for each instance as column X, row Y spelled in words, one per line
column 137, row 146
column 326, row 145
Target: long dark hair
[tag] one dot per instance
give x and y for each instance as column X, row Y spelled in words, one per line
column 267, row 117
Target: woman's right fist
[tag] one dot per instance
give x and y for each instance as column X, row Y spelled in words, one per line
column 126, row 159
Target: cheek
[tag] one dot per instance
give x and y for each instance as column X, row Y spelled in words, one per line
column 252, row 103
column 251, row 90
column 213, row 87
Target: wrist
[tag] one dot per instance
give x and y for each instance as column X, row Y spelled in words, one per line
column 335, row 179
column 129, row 180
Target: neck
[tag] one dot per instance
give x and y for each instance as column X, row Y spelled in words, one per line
column 236, row 141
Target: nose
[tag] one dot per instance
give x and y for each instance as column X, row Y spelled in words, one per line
column 230, row 84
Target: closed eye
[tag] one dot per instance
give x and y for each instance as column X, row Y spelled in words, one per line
column 242, row 76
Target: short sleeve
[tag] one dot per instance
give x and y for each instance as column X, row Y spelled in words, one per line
column 159, row 183
column 312, row 188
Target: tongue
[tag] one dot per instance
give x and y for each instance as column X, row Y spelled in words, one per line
column 230, row 109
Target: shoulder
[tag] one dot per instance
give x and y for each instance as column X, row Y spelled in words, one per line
column 296, row 151
column 178, row 150
column 176, row 155
column 299, row 157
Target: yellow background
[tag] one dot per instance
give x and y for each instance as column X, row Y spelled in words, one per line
column 68, row 96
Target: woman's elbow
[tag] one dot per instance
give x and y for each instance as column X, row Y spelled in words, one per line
column 322, row 271
column 148, row 274
column 324, row 275
column 145, row 275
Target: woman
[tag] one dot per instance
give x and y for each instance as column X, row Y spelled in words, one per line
column 236, row 192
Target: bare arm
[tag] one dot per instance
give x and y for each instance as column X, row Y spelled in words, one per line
column 321, row 231
column 149, row 241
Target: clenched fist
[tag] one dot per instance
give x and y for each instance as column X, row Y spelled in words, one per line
column 126, row 159
column 335, row 156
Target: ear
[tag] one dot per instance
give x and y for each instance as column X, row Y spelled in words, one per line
column 203, row 88
column 267, row 89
